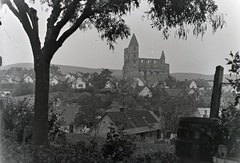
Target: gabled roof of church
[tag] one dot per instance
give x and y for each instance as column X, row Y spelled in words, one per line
column 133, row 41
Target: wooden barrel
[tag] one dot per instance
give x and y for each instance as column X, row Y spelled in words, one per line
column 196, row 140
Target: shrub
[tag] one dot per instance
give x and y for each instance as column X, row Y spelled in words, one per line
column 117, row 148
column 55, row 122
column 229, row 128
column 18, row 118
column 12, row 152
column 153, row 157
column 118, row 145
column 230, row 118
column 62, row 87
column 152, row 152
column 70, row 153
column 18, row 127
column 24, row 89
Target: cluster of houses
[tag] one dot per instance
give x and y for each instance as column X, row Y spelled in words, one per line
column 143, row 124
column 76, row 80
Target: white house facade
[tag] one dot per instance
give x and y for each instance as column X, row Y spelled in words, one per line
column 145, row 92
column 28, row 79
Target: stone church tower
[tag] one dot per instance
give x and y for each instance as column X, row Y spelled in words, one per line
column 148, row 69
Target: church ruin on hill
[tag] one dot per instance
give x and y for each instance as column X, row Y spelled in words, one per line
column 148, row 69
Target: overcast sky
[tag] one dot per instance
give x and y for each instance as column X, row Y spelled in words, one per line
column 86, row 49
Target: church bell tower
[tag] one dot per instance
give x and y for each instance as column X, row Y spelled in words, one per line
column 131, row 59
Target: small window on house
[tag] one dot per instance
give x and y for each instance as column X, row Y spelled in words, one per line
column 150, row 134
column 80, row 85
column 205, row 112
column 141, row 61
column 134, row 62
column 134, row 48
column 134, row 55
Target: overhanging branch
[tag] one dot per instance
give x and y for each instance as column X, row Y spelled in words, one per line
column 67, row 16
column 54, row 30
column 22, row 8
column 12, row 8
column 51, row 34
column 70, row 11
column 69, row 32
column 27, row 16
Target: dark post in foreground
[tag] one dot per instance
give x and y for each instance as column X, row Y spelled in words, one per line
column 1, row 106
column 216, row 92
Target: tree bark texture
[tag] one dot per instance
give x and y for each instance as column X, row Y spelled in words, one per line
column 40, row 123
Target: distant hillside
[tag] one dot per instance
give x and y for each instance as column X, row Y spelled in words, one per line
column 190, row 76
column 22, row 65
column 117, row 73
column 66, row 69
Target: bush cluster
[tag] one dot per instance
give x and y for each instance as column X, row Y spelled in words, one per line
column 68, row 153
column 153, row 157
column 17, row 132
column 229, row 128
column 118, row 145
column 18, row 120
column 72, row 153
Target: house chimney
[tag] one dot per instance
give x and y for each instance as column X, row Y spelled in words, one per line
column 122, row 109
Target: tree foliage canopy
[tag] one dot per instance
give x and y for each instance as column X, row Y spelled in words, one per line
column 182, row 13
column 99, row 81
column 107, row 17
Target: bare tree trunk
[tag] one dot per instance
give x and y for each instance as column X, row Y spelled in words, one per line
column 40, row 123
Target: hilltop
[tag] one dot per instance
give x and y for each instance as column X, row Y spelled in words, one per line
column 181, row 76
column 66, row 69
column 116, row 72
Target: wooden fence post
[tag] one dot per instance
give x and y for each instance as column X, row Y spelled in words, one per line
column 216, row 92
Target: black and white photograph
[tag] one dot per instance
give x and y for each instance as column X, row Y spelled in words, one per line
column 119, row 81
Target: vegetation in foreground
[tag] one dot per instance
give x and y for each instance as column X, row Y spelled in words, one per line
column 73, row 153
column 16, row 143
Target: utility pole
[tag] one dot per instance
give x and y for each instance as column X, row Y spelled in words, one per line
column 216, row 93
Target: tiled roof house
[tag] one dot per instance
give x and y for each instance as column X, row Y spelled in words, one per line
column 173, row 92
column 55, row 79
column 143, row 124
column 28, row 78
column 200, row 84
column 142, row 91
